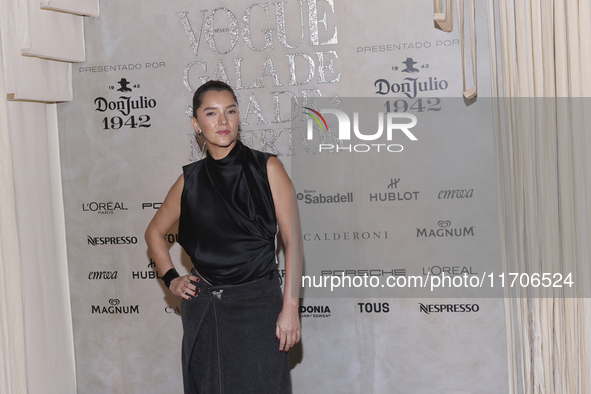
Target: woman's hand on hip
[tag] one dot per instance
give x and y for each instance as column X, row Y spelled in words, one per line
column 183, row 286
column 288, row 328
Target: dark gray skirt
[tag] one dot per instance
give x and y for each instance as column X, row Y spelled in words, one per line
column 229, row 340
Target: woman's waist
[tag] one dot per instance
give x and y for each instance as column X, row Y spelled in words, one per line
column 261, row 284
column 235, row 269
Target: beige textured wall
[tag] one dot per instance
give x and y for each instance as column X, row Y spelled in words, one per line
column 108, row 157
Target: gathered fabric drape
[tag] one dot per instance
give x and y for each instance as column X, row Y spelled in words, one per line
column 540, row 53
column 544, row 169
column 37, row 46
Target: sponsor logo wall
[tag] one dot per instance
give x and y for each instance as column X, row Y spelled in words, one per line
column 414, row 198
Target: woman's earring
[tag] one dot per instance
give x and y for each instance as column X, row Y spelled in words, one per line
column 203, row 149
column 204, row 143
column 195, row 145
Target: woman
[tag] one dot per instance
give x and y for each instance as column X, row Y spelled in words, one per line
column 237, row 326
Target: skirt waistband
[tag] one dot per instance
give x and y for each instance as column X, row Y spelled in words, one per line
column 256, row 286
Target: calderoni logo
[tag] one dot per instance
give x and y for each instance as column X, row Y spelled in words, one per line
column 103, row 208
column 114, row 307
column 445, row 230
column 172, row 310
column 313, row 197
column 100, row 241
column 344, row 133
column 448, row 308
column 347, row 236
column 315, row 311
column 98, row 275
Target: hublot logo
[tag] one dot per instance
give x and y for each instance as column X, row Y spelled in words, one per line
column 394, row 195
column 149, row 274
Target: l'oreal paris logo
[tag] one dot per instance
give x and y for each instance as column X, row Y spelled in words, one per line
column 344, row 124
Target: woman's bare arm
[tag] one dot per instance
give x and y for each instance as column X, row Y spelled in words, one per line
column 288, row 218
column 166, row 216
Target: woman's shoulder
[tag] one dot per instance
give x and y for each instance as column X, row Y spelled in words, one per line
column 191, row 168
column 261, row 158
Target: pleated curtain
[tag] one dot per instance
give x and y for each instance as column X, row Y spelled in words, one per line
column 38, row 42
column 540, row 53
column 540, row 65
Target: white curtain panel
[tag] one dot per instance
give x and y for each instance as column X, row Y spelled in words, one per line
column 12, row 341
column 38, row 205
column 29, row 78
column 36, row 48
column 37, row 79
column 544, row 166
column 49, row 34
column 49, row 41
column 80, row 7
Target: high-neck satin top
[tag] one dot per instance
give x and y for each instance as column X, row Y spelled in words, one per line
column 227, row 223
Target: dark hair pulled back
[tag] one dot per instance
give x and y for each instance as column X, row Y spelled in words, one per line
column 218, row 86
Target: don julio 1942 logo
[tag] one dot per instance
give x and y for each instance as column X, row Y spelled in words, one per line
column 122, row 111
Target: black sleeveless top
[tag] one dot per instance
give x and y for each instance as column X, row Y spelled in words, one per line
column 227, row 224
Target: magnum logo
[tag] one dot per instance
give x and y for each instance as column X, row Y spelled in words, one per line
column 444, row 230
column 115, row 308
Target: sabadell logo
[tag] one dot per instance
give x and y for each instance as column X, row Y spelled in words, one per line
column 312, row 197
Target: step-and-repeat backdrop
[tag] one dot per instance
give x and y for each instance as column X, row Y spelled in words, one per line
column 394, row 177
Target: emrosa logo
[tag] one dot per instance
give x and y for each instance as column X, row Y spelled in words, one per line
column 344, row 125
